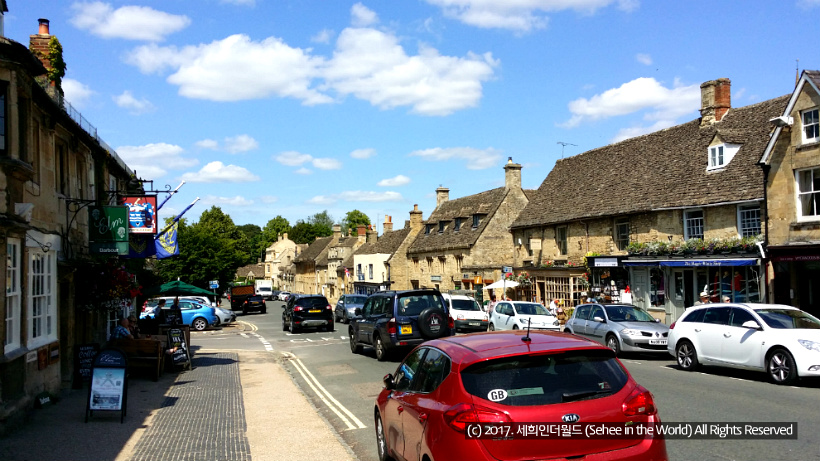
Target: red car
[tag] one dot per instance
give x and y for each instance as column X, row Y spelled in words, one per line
column 438, row 404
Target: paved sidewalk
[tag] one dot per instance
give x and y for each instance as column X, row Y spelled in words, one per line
column 230, row 406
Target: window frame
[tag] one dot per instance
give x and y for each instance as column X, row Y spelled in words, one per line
column 14, row 295
column 476, row 220
column 428, row 228
column 812, row 125
column 620, row 237
column 457, row 224
column 799, row 194
column 561, row 241
column 687, row 233
column 442, row 226
column 717, row 156
column 742, row 230
column 42, row 286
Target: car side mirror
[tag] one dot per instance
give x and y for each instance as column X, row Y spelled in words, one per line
column 657, row 320
column 751, row 324
column 388, row 382
column 599, row 319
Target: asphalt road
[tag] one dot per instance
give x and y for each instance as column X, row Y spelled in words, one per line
column 342, row 387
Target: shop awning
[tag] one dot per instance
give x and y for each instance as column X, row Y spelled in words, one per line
column 693, row 262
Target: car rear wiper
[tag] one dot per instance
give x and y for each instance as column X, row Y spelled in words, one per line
column 572, row 396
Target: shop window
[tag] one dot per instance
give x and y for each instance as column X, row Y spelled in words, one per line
column 808, row 186
column 13, row 295
column 748, row 220
column 657, row 291
column 621, row 233
column 693, row 224
column 811, row 125
column 42, row 298
column 561, row 239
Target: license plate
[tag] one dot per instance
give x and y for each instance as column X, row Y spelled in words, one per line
column 406, row 329
column 657, row 342
column 475, row 324
column 315, row 311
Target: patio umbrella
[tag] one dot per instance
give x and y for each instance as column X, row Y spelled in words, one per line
column 501, row 284
column 177, row 288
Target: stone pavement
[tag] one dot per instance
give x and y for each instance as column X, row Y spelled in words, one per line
column 231, row 406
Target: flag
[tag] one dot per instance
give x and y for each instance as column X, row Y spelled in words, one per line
column 167, row 244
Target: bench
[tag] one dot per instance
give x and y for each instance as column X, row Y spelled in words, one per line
column 143, row 354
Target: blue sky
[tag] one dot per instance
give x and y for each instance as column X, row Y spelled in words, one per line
column 292, row 107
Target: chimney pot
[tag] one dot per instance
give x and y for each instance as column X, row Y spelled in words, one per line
column 43, row 26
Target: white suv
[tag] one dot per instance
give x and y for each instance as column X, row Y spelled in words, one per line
column 466, row 313
column 515, row 315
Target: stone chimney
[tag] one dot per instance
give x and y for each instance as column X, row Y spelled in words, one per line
column 372, row 235
column 512, row 175
column 285, row 236
column 442, row 195
column 388, row 224
column 715, row 100
column 416, row 221
column 337, row 232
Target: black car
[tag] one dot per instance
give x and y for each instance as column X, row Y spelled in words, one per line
column 254, row 303
column 346, row 307
column 400, row 319
column 307, row 311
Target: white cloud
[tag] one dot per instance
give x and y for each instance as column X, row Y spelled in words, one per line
column 127, row 22
column 135, row 106
column 76, row 93
column 233, row 201
column 153, row 160
column 644, row 59
column 356, row 196
column 520, row 15
column 362, row 16
column 268, row 199
column 326, row 163
column 363, row 154
column 217, row 172
column 303, row 171
column 323, row 36
column 241, row 143
column 207, row 144
column 292, row 158
column 399, row 180
column 665, row 104
column 473, row 159
column 235, row 69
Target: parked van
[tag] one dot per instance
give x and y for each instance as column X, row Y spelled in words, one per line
column 466, row 313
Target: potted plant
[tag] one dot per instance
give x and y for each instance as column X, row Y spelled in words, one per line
column 636, row 248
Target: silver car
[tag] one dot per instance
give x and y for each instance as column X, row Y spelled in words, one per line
column 621, row 327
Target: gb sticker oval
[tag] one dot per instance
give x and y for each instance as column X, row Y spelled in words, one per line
column 497, row 395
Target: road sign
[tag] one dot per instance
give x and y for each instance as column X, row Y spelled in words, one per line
column 214, row 284
column 506, row 269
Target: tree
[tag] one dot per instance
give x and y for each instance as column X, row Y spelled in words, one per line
column 304, row 232
column 273, row 229
column 353, row 219
column 255, row 240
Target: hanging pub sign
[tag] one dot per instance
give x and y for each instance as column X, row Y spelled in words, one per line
column 108, row 229
column 142, row 212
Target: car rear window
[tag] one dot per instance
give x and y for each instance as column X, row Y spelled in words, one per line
column 413, row 304
column 531, row 309
column 788, row 318
column 545, row 379
column 314, row 302
column 356, row 299
column 465, row 305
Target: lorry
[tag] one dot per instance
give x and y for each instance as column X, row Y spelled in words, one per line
column 239, row 293
column 264, row 288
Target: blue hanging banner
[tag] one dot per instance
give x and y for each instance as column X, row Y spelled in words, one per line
column 167, row 245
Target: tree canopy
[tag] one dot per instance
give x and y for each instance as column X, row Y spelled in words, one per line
column 353, row 219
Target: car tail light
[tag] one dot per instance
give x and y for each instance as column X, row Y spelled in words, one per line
column 391, row 326
column 297, row 308
column 459, row 416
column 328, row 307
column 671, row 327
column 450, row 323
column 640, row 402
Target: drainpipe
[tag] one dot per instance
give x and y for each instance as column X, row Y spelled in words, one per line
column 766, row 168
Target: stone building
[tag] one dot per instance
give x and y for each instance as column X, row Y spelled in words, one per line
column 310, row 267
column 339, row 258
column 278, row 257
column 791, row 164
column 371, row 266
column 655, row 213
column 53, row 167
column 466, row 241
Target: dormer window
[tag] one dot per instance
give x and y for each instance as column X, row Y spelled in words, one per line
column 442, row 226
column 721, row 154
column 457, row 225
column 476, row 220
column 428, row 228
column 811, row 126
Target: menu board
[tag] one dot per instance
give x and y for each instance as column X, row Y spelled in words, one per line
column 83, row 361
column 176, row 341
column 107, row 389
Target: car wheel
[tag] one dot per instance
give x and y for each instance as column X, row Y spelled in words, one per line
column 293, row 328
column 329, row 328
column 612, row 343
column 355, row 347
column 199, row 324
column 492, row 327
column 686, row 355
column 381, row 440
column 781, row 367
column 244, row 311
column 381, row 353
column 284, row 325
column 265, row 310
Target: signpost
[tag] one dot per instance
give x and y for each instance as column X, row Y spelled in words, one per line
column 214, row 285
column 109, row 383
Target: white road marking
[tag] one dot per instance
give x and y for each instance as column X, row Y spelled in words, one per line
column 265, row 342
column 325, row 396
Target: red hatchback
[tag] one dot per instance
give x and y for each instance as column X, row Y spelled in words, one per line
column 512, row 396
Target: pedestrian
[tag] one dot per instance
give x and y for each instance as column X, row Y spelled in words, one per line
column 704, row 298
column 554, row 306
column 121, row 332
column 491, row 305
column 133, row 326
column 725, row 299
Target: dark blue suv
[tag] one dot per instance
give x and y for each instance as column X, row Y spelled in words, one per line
column 400, row 319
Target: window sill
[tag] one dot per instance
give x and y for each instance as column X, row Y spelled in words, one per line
column 813, row 224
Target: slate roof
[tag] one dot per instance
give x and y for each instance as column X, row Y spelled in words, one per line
column 347, row 242
column 314, row 250
column 486, row 202
column 257, row 269
column 664, row 169
column 388, row 243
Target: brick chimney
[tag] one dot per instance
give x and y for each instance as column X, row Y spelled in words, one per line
column 361, row 232
column 442, row 195
column 512, row 175
column 416, row 221
column 388, row 224
column 715, row 100
column 38, row 45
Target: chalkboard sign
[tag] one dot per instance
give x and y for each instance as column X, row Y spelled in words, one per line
column 111, row 358
column 176, row 341
column 109, row 383
column 83, row 361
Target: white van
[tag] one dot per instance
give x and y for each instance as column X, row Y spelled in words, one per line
column 466, row 313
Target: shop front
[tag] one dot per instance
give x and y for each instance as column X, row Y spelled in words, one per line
column 796, row 276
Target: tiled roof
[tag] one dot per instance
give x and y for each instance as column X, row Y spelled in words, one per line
column 388, row 243
column 814, row 76
column 664, row 169
column 258, row 270
column 465, row 207
column 314, row 250
column 347, row 242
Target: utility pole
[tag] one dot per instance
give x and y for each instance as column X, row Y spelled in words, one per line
column 565, row 144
